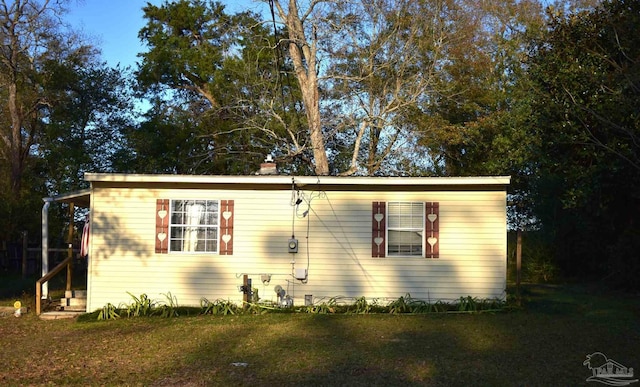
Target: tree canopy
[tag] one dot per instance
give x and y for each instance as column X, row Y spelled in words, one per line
column 61, row 110
column 585, row 115
column 206, row 73
column 546, row 92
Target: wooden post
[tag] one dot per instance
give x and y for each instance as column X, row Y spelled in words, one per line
column 245, row 287
column 25, row 247
column 38, row 298
column 518, row 263
column 70, row 245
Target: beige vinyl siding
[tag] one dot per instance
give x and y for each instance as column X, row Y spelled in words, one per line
column 338, row 227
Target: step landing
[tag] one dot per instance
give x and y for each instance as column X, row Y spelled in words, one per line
column 59, row 314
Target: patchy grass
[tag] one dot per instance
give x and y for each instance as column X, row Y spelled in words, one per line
column 542, row 344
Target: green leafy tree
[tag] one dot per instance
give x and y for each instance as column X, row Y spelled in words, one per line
column 85, row 127
column 481, row 126
column 473, row 128
column 33, row 43
column 173, row 141
column 586, row 104
column 61, row 111
column 208, row 74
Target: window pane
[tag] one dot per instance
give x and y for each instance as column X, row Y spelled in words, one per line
column 405, row 243
column 177, row 218
column 194, row 226
column 211, row 219
column 406, row 215
column 210, row 239
column 405, row 228
column 212, row 206
column 417, row 215
column 177, row 232
column 175, row 245
column 211, row 234
column 177, row 205
column 190, row 240
column 194, row 213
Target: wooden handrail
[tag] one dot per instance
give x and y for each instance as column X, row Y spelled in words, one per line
column 47, row 277
column 59, row 250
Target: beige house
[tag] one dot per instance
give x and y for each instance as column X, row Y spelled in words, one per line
column 298, row 239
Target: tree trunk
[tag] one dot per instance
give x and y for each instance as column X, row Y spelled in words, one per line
column 303, row 56
column 15, row 151
column 315, row 130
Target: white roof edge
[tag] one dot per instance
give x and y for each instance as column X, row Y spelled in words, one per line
column 301, row 180
column 80, row 198
column 72, row 195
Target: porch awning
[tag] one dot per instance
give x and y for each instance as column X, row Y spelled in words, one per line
column 80, row 198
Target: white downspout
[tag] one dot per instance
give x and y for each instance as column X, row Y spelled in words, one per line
column 45, row 245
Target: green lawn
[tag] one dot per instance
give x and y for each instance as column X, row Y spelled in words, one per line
column 543, row 344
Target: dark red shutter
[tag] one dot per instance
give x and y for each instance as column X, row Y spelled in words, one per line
column 432, row 220
column 379, row 227
column 162, row 226
column 226, row 227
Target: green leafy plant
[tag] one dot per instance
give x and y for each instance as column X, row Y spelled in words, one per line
column 419, row 306
column 206, row 306
column 467, row 304
column 408, row 304
column 257, row 308
column 323, row 308
column 218, row 307
column 491, row 304
column 108, row 312
column 142, row 306
column 401, row 305
column 170, row 307
column 439, row 307
column 360, row 306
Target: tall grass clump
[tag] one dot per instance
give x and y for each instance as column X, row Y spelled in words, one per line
column 143, row 306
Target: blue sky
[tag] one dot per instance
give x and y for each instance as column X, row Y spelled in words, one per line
column 113, row 25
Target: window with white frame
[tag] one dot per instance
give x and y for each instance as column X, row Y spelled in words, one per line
column 405, row 228
column 194, row 226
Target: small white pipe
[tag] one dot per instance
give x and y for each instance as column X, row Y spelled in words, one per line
column 45, row 245
column 263, row 273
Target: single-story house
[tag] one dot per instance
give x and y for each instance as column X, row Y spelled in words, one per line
column 303, row 239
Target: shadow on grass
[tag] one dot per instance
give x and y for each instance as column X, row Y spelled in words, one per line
column 580, row 300
column 542, row 344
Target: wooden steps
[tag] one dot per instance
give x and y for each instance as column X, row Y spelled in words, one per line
column 73, row 304
column 74, row 301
